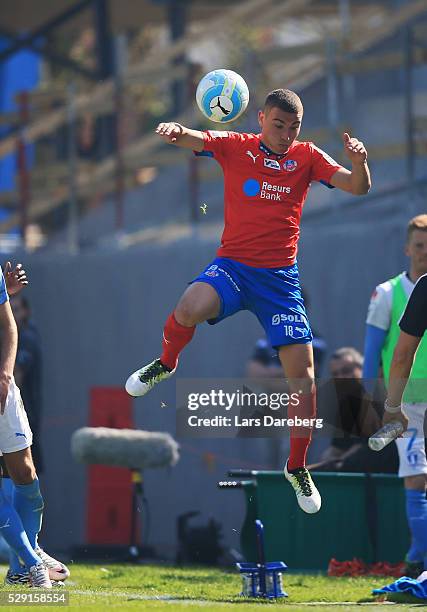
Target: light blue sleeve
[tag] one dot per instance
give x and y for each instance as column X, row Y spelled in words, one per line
column 374, row 342
column 3, row 293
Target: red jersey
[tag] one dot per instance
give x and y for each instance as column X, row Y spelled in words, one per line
column 263, row 195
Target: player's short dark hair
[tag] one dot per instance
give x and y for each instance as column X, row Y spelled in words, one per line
column 417, row 223
column 285, row 99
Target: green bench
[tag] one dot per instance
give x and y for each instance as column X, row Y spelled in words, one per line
column 362, row 516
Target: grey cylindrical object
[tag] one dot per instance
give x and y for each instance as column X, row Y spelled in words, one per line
column 131, row 448
column 385, row 435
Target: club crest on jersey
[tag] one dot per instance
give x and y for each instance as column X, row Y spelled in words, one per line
column 290, row 165
column 271, row 163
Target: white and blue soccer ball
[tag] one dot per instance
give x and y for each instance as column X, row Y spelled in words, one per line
column 222, row 95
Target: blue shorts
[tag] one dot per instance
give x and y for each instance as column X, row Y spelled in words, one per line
column 272, row 294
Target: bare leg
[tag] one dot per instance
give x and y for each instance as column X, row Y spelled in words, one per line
column 20, row 466
column 198, row 303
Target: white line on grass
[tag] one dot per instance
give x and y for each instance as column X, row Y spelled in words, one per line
column 165, row 598
column 203, row 602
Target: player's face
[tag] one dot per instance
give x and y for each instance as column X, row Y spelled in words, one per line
column 344, row 368
column 279, row 129
column 416, row 249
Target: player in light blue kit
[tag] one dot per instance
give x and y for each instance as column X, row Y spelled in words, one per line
column 20, row 519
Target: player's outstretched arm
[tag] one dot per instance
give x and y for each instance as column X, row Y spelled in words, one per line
column 358, row 180
column 177, row 134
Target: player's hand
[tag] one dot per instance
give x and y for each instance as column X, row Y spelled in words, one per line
column 170, row 132
column 16, row 279
column 354, row 149
column 391, row 417
column 5, row 380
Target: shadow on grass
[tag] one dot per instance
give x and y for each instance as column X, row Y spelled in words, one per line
column 406, row 598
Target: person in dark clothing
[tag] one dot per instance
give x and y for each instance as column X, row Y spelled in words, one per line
column 413, row 326
column 351, row 416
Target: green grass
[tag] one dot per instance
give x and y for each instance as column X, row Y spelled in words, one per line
column 148, row 587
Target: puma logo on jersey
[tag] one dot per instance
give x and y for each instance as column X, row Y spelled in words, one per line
column 252, row 156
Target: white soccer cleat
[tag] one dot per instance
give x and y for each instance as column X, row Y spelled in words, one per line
column 39, row 576
column 141, row 381
column 308, row 496
column 57, row 570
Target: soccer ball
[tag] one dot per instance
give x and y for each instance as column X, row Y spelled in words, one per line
column 222, row 95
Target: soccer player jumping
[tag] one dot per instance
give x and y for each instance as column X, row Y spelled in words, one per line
column 266, row 180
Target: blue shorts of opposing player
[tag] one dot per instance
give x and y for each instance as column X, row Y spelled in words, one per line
column 272, row 294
